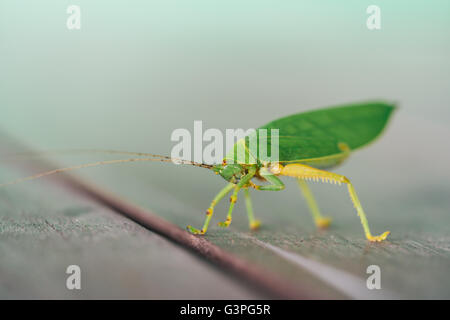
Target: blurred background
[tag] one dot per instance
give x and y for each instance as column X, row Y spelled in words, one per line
column 137, row 70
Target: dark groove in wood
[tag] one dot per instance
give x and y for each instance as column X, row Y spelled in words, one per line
column 266, row 281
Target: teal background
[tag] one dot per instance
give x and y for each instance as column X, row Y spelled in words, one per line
column 147, row 67
column 137, row 70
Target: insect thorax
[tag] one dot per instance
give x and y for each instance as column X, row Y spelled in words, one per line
column 232, row 172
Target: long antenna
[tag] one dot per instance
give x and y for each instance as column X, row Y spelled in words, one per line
column 98, row 163
column 75, row 151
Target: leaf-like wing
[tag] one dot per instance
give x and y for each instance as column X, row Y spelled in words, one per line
column 326, row 134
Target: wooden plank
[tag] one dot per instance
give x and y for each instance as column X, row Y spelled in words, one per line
column 40, row 237
column 413, row 206
column 255, row 278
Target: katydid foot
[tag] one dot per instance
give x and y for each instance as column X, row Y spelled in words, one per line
column 379, row 238
column 323, row 222
column 254, row 225
column 225, row 224
column 193, row 230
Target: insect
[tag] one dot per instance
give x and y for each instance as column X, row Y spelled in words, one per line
column 308, row 143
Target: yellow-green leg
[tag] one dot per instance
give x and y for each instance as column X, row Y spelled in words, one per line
column 362, row 216
column 210, row 210
column 253, row 223
column 242, row 183
column 320, row 221
column 233, row 200
column 302, row 171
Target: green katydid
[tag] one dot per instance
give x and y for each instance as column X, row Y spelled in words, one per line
column 309, row 142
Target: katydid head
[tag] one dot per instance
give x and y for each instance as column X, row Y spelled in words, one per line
column 230, row 172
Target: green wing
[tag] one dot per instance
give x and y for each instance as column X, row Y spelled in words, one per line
column 325, row 137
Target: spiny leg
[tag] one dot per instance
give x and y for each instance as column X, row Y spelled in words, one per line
column 321, row 221
column 253, row 223
column 362, row 216
column 210, row 210
column 306, row 172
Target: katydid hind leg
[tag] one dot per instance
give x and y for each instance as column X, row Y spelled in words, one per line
column 305, row 172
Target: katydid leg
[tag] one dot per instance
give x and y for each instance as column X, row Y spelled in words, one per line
column 275, row 183
column 253, row 223
column 233, row 200
column 210, row 210
column 320, row 221
column 244, row 181
column 309, row 173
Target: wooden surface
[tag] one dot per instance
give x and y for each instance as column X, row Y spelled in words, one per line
column 40, row 238
column 44, row 228
column 118, row 258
